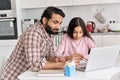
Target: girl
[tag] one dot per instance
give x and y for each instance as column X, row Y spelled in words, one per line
column 76, row 43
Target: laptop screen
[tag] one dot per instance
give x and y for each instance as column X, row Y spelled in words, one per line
column 102, row 57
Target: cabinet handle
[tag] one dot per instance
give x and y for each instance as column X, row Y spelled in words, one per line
column 6, row 20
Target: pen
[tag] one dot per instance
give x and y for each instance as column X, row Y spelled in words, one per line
column 70, row 53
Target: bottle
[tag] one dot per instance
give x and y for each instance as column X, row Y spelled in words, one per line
column 70, row 69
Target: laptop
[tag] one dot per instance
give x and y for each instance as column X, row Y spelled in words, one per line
column 100, row 58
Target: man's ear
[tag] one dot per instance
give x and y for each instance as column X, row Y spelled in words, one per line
column 44, row 20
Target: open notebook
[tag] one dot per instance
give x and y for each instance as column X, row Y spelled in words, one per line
column 54, row 73
column 100, row 58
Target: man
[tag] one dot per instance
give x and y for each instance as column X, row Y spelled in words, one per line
column 34, row 45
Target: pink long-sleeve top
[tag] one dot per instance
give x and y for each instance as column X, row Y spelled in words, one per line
column 69, row 46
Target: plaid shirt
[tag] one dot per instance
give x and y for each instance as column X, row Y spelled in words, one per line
column 32, row 47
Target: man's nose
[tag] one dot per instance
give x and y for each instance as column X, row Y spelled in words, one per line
column 58, row 26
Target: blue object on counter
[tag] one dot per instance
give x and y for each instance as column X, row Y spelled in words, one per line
column 70, row 70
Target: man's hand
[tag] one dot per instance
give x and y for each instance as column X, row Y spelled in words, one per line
column 51, row 59
column 54, row 65
column 76, row 57
column 60, row 59
column 56, row 59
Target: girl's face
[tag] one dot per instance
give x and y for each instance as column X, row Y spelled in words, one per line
column 77, row 33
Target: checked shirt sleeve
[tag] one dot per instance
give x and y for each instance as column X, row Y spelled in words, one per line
column 33, row 50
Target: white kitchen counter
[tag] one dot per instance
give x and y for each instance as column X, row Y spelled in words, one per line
column 104, row 74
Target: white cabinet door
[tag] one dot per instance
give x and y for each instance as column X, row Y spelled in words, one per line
column 43, row 3
column 109, row 40
column 86, row 2
column 6, row 47
column 32, row 3
column 59, row 2
column 110, row 1
column 98, row 40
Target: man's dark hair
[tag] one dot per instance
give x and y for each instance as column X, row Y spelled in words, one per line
column 49, row 11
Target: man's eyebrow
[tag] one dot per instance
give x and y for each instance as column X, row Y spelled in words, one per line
column 57, row 21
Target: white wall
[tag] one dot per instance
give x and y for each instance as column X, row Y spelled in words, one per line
column 87, row 12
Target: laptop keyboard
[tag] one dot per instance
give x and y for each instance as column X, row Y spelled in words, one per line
column 81, row 66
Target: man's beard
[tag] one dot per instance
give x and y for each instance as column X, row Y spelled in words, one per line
column 50, row 30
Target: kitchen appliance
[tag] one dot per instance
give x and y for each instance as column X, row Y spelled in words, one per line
column 91, row 26
column 7, row 8
column 114, row 27
column 8, row 28
column 26, row 23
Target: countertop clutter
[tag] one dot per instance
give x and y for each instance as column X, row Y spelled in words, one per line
column 111, row 29
column 112, row 26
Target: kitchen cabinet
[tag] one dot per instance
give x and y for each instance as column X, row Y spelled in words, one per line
column 98, row 40
column 24, row 4
column 59, row 2
column 106, row 39
column 43, row 3
column 7, row 46
column 109, row 40
column 86, row 2
column 110, row 1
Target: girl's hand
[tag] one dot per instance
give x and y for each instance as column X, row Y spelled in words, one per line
column 77, row 58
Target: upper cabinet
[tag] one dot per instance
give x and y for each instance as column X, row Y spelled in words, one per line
column 85, row 2
column 88, row 2
column 110, row 1
column 24, row 4
column 59, row 2
column 43, row 3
